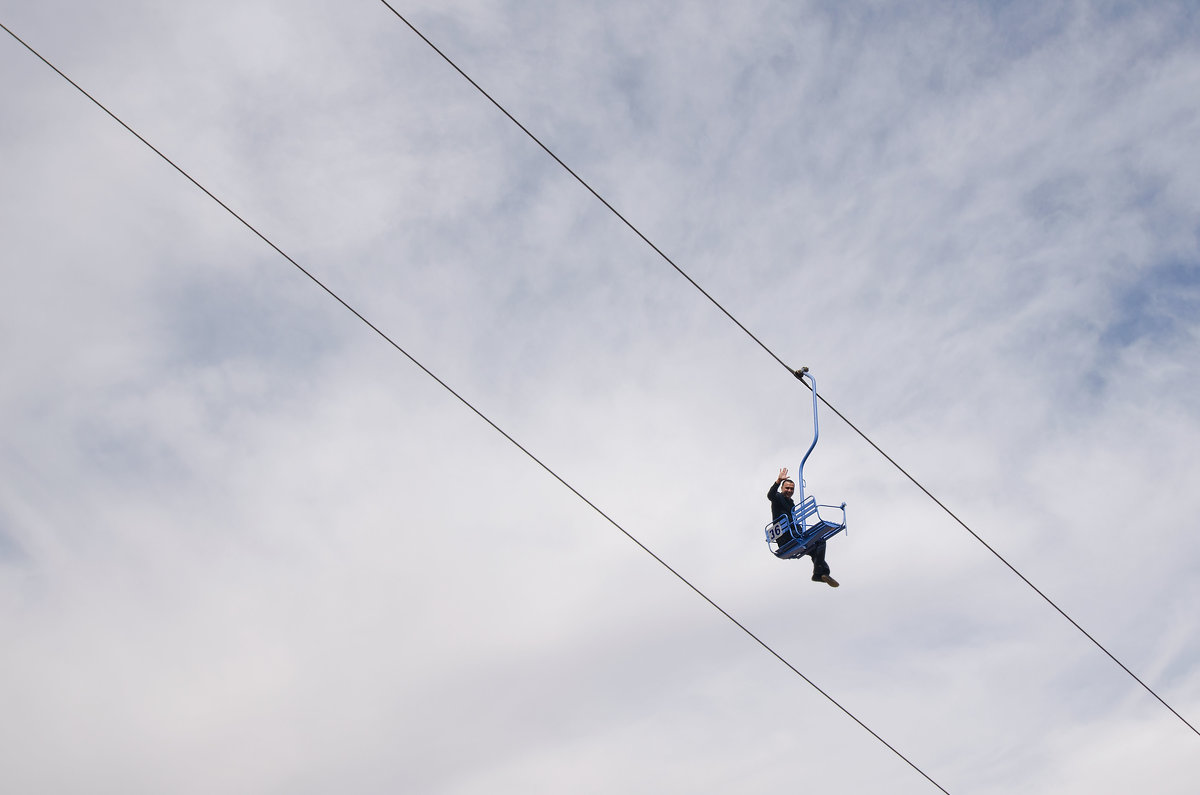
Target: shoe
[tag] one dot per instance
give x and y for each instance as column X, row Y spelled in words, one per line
column 825, row 578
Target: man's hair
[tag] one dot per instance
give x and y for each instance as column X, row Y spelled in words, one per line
column 787, row 480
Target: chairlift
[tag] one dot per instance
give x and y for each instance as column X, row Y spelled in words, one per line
column 795, row 535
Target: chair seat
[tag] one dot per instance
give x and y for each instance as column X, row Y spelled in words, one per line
column 795, row 547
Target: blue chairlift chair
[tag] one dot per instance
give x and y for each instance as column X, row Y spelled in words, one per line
column 795, row 535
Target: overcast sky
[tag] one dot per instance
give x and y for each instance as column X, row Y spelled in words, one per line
column 246, row 546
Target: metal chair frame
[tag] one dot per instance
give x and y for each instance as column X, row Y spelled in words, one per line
column 796, row 535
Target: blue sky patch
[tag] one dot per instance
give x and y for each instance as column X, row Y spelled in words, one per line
column 1158, row 307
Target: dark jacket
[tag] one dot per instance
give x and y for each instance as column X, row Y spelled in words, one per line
column 781, row 505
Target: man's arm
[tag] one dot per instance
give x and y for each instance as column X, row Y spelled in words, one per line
column 773, row 492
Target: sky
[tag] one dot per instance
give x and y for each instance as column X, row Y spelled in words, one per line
column 247, row 545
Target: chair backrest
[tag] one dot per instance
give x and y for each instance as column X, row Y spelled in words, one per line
column 803, row 511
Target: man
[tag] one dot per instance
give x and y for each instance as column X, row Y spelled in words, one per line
column 782, row 504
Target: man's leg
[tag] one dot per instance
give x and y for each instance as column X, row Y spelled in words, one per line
column 820, row 567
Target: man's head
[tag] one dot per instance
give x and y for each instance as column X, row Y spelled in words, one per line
column 787, row 487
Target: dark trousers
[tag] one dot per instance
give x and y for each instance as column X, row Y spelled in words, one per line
column 820, row 567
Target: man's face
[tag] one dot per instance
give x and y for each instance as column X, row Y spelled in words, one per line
column 787, row 488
